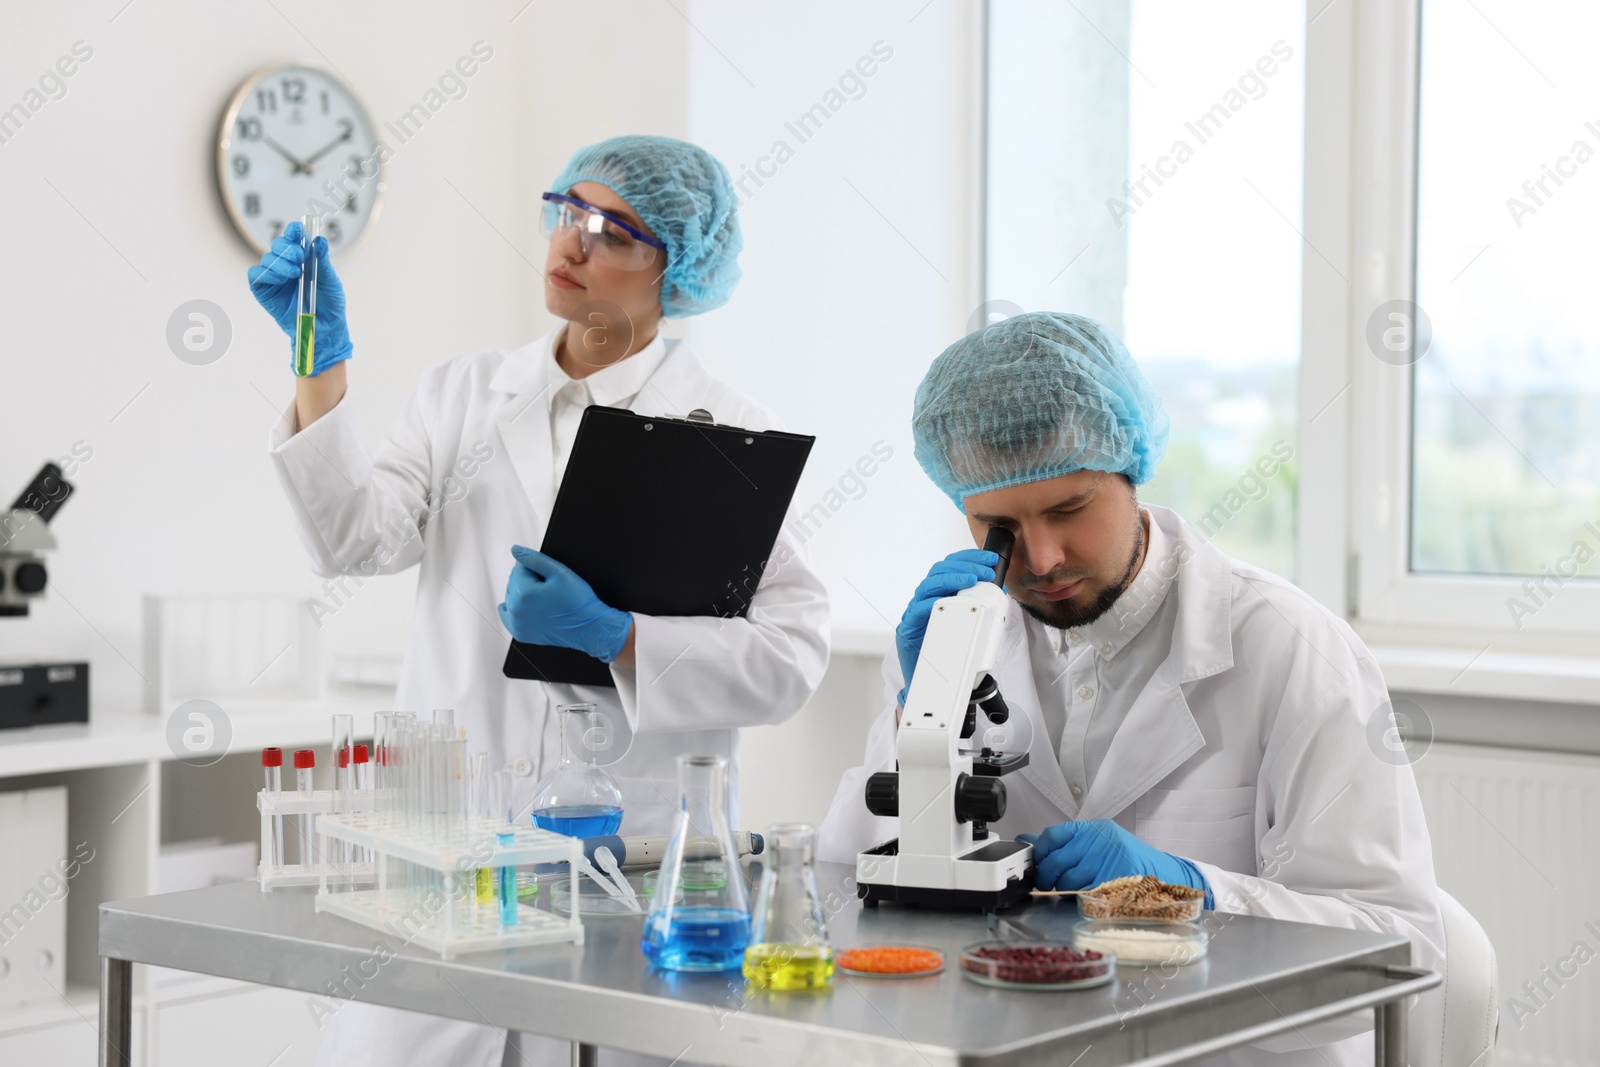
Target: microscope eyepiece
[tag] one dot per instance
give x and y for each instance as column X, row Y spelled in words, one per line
column 1000, row 541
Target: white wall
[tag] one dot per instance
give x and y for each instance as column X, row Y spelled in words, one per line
column 861, row 264
column 861, row 261
column 179, row 495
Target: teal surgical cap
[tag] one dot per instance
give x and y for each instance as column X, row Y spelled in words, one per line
column 684, row 195
column 1033, row 397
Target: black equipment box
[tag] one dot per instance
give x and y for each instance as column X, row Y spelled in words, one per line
column 37, row 694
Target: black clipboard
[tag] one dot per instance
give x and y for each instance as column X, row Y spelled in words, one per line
column 664, row 517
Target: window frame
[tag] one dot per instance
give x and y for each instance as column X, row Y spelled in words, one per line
column 1435, row 633
column 1363, row 82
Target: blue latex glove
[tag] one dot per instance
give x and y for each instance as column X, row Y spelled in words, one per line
column 1078, row 855
column 957, row 571
column 548, row 604
column 275, row 282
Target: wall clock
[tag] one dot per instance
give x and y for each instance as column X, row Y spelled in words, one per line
column 296, row 140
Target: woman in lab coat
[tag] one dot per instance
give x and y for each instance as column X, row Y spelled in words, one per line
column 640, row 228
column 1185, row 714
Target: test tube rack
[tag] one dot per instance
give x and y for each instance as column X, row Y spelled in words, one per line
column 272, row 875
column 448, row 921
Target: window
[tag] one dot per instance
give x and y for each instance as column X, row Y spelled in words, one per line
column 1506, row 395
column 1363, row 232
column 1145, row 170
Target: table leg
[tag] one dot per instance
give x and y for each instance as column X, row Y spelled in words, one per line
column 116, row 1012
column 1389, row 1034
column 585, row 1055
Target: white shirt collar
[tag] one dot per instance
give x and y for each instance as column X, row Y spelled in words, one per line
column 613, row 386
column 1111, row 632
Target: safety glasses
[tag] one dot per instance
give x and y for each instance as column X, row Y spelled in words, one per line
column 606, row 239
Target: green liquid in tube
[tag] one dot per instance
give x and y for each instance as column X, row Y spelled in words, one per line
column 305, row 344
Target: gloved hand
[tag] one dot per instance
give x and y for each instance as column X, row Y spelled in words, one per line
column 275, row 282
column 548, row 604
column 957, row 571
column 1078, row 855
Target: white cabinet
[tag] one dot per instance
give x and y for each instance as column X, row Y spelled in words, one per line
column 127, row 796
column 66, row 1041
column 276, row 1025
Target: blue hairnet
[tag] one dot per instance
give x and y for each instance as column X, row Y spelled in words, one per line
column 1033, row 397
column 685, row 196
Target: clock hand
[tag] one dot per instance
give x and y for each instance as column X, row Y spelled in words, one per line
column 299, row 167
column 329, row 147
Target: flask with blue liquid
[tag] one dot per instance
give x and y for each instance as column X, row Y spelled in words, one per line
column 699, row 918
column 579, row 798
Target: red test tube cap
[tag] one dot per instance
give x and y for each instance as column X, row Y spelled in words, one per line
column 344, row 758
column 272, row 757
column 304, row 759
column 361, row 754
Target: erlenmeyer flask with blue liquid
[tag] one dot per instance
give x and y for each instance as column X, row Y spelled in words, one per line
column 699, row 918
column 579, row 798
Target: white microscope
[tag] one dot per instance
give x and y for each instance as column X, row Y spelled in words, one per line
column 943, row 796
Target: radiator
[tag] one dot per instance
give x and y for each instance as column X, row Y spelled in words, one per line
column 1516, row 839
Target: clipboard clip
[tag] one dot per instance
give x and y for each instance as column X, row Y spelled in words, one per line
column 701, row 416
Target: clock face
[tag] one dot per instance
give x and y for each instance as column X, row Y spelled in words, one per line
column 296, row 141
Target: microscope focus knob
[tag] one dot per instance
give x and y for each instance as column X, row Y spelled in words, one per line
column 30, row 577
column 883, row 794
column 978, row 799
column 987, row 696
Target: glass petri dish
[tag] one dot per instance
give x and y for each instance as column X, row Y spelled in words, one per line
column 917, row 961
column 1036, row 965
column 1142, row 944
column 1093, row 905
column 699, row 874
column 592, row 900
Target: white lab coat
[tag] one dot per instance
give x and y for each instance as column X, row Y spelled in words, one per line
column 1248, row 752
column 467, row 472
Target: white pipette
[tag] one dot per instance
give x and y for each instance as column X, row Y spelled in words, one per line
column 609, row 863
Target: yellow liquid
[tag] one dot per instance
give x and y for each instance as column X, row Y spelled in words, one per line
column 775, row 965
column 305, row 346
column 483, row 885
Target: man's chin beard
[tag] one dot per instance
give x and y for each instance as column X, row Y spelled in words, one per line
column 1065, row 615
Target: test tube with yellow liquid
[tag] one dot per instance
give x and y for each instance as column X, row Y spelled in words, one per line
column 305, row 319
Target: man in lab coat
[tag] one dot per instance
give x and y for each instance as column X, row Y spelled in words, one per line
column 1186, row 715
column 640, row 228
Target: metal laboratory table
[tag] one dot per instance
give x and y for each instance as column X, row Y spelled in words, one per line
column 1261, row 977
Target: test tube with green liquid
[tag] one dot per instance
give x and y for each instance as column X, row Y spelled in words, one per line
column 305, row 319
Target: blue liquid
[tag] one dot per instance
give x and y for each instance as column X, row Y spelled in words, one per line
column 579, row 820
column 696, row 939
column 506, row 877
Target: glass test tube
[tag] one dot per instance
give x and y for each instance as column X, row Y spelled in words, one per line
column 343, row 792
column 304, row 760
column 458, row 806
column 409, row 800
column 272, row 762
column 403, row 796
column 429, row 792
column 506, row 876
column 439, row 781
column 305, row 319
column 361, row 763
column 482, row 799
